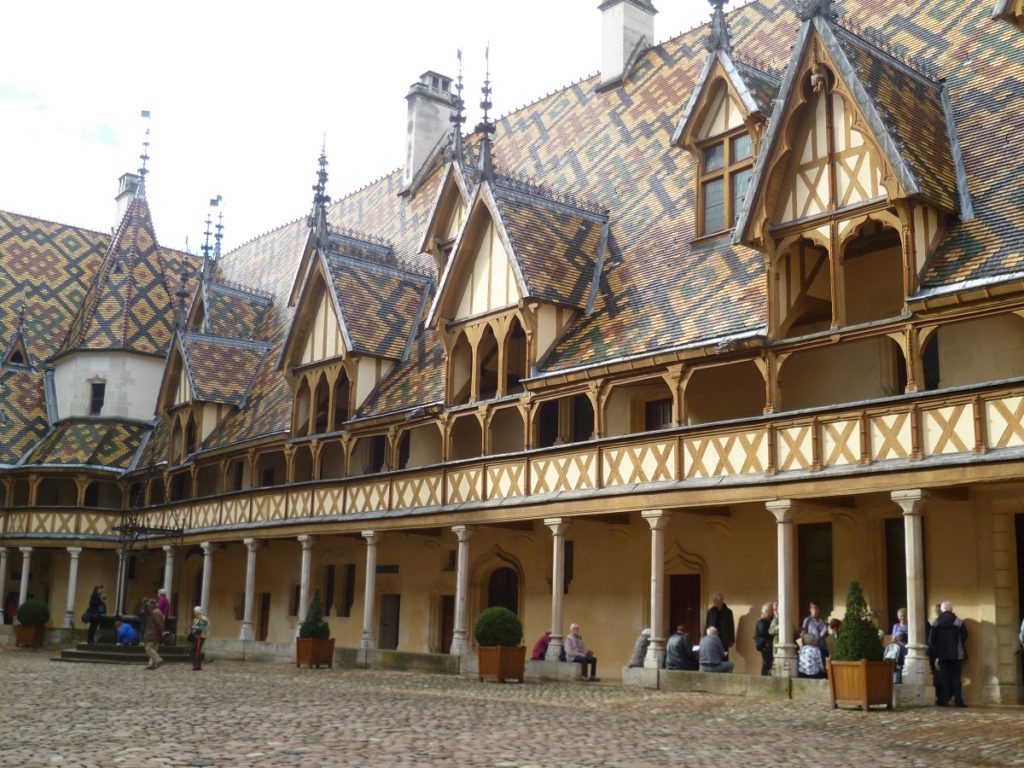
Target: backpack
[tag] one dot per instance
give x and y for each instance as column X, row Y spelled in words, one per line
column 892, row 652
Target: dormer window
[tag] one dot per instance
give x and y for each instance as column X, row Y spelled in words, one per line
column 725, row 170
column 97, row 393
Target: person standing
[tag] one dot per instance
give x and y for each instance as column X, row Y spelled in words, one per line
column 815, row 625
column 154, row 634
column 640, row 648
column 163, row 603
column 900, row 627
column 97, row 608
column 948, row 644
column 200, row 627
column 576, row 652
column 719, row 616
column 763, row 638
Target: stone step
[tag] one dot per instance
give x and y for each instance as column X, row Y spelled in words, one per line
column 105, row 653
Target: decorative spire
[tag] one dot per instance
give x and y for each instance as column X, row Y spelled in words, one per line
column 718, row 38
column 484, row 167
column 457, row 119
column 318, row 216
column 144, row 157
column 182, row 294
column 220, row 232
column 808, row 9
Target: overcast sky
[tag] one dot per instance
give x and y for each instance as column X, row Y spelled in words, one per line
column 241, row 96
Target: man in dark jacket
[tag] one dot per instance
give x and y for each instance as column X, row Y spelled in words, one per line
column 719, row 616
column 948, row 645
column 679, row 650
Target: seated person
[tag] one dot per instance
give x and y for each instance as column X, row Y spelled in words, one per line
column 576, row 652
column 679, row 651
column 540, row 648
column 810, row 662
column 640, row 649
column 712, row 653
column 125, row 633
column 897, row 652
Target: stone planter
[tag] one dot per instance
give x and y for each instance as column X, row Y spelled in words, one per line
column 501, row 663
column 313, row 652
column 29, row 636
column 860, row 683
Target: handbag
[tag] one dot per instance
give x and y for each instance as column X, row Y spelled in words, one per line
column 191, row 636
column 87, row 617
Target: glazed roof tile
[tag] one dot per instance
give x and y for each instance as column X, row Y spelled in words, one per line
column 221, row 370
column 99, row 443
column 22, row 413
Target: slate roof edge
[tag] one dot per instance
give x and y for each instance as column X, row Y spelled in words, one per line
column 966, row 205
column 965, row 285
column 375, row 266
column 759, row 332
column 595, row 281
column 238, row 291
column 226, row 341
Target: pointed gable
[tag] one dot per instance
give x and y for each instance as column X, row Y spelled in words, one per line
column 447, row 214
column 221, row 370
column 520, row 242
column 130, row 306
column 852, row 125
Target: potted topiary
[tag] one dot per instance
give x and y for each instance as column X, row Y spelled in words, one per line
column 32, row 617
column 314, row 646
column 500, row 655
column 857, row 675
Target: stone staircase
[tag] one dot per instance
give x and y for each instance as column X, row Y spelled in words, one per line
column 108, row 653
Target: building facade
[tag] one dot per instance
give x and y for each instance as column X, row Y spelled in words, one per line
column 743, row 313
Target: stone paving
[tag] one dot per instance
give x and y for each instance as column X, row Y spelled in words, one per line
column 263, row 714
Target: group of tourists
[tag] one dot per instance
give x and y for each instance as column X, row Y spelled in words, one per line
column 152, row 620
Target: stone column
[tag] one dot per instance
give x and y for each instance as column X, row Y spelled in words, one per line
column 26, row 568
column 69, row 613
column 307, row 557
column 247, row 632
column 558, row 528
column 785, row 659
column 204, row 592
column 122, row 579
column 657, row 519
column 369, row 638
column 915, row 666
column 3, row 575
column 169, row 573
column 460, row 639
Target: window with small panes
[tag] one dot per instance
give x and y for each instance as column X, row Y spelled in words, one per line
column 726, row 165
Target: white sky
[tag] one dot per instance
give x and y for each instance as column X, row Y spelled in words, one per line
column 241, row 95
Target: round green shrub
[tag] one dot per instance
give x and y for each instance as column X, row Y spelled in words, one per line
column 498, row 626
column 314, row 625
column 33, row 613
column 858, row 640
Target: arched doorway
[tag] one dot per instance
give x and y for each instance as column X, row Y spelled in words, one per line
column 503, row 589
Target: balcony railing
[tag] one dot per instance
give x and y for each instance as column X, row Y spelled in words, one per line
column 910, row 428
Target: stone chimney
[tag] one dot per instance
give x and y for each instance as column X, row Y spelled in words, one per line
column 430, row 107
column 127, row 189
column 626, row 25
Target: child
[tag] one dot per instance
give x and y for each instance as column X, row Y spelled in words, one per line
column 897, row 652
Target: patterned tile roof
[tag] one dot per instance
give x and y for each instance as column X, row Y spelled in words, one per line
column 221, row 370
column 417, row 381
column 558, row 246
column 131, row 302
column 380, row 306
column 233, row 312
column 99, row 443
column 22, row 413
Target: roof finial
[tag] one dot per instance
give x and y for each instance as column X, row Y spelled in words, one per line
column 718, row 38
column 182, row 294
column 808, row 9
column 144, row 157
column 318, row 216
column 220, row 232
column 458, row 118
column 485, row 170
column 206, row 235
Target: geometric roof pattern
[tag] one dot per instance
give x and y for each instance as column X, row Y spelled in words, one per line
column 234, row 312
column 22, row 413
column 92, row 442
column 220, row 370
column 130, row 304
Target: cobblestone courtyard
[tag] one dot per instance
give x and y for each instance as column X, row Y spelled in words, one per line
column 253, row 714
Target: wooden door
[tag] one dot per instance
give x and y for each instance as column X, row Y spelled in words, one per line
column 389, row 605
column 684, row 604
column 447, row 627
column 264, row 617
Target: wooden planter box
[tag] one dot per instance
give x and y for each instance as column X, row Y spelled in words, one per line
column 501, row 663
column 860, row 683
column 312, row 652
column 29, row 637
